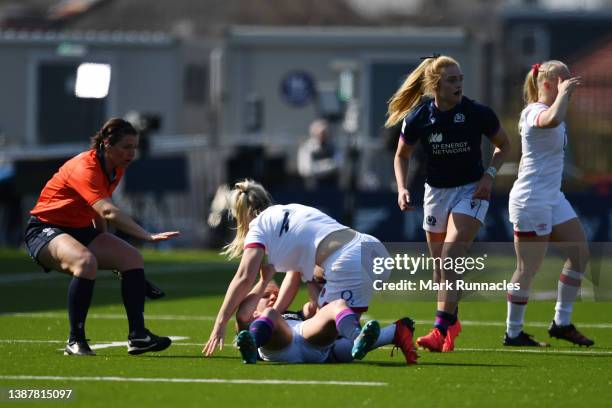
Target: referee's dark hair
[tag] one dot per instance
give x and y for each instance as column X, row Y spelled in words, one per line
column 113, row 130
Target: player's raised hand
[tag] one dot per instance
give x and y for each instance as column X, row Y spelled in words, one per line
column 163, row 236
column 403, row 200
column 568, row 85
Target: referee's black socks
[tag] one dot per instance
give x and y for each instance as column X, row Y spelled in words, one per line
column 133, row 294
column 80, row 292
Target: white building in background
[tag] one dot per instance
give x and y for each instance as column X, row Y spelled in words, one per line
column 378, row 8
column 291, row 71
column 38, row 105
column 264, row 87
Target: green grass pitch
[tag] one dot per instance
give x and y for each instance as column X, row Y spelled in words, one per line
column 480, row 373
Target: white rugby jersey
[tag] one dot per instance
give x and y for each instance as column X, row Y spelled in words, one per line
column 541, row 166
column 290, row 235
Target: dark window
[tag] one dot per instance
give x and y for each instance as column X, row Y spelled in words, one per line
column 385, row 79
column 195, row 84
column 62, row 117
column 528, row 44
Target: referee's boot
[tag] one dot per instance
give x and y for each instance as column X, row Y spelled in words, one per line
column 153, row 291
column 146, row 341
column 78, row 348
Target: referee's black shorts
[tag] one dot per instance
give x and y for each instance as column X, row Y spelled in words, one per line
column 38, row 234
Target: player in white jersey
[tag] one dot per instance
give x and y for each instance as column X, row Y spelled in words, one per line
column 289, row 338
column 296, row 239
column 539, row 210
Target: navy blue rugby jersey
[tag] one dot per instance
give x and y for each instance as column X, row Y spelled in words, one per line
column 451, row 140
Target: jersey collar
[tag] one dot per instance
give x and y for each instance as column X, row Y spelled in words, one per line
column 110, row 177
column 436, row 114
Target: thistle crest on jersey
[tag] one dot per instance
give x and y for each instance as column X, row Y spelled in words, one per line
column 435, row 138
column 451, row 140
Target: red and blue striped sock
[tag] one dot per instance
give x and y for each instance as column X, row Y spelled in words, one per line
column 517, row 304
column 567, row 291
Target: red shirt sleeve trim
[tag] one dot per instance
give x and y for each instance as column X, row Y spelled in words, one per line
column 538, row 118
column 255, row 245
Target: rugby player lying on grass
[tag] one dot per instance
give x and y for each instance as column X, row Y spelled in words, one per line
column 296, row 238
column 332, row 334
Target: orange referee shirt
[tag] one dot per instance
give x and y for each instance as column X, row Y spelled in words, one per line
column 67, row 199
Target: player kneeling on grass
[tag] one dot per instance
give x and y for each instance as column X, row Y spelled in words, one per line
column 539, row 210
column 67, row 233
column 332, row 335
column 295, row 238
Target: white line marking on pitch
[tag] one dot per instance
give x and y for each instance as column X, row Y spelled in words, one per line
column 109, row 316
column 27, row 277
column 113, row 316
column 151, row 270
column 195, row 380
column 541, row 351
column 95, row 346
column 107, row 343
column 99, row 346
column 503, row 324
column 110, row 343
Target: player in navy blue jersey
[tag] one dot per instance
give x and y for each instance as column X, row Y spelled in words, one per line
column 449, row 127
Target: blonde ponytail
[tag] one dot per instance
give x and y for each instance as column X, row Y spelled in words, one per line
column 422, row 81
column 536, row 76
column 247, row 200
column 530, row 87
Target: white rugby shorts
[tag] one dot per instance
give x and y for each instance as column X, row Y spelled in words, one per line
column 299, row 351
column 539, row 219
column 439, row 203
column 349, row 277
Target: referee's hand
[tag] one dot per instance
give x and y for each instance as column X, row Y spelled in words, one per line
column 163, row 236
